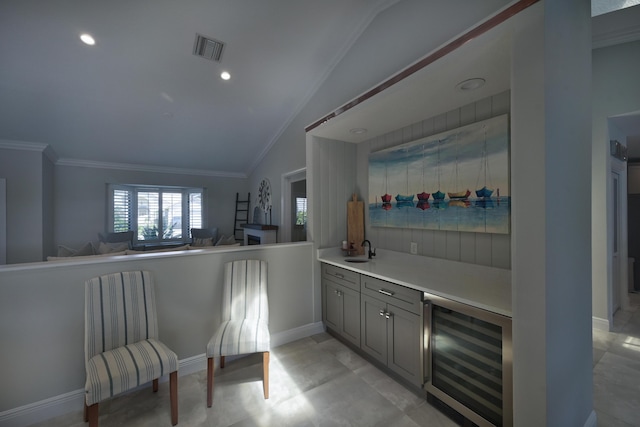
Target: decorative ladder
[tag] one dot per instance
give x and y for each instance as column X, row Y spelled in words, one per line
column 241, row 217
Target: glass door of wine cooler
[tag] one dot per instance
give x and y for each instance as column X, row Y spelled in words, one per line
column 470, row 362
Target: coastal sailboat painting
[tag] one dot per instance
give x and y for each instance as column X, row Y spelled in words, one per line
column 455, row 180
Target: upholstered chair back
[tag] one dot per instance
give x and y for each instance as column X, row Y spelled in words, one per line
column 244, row 294
column 120, row 310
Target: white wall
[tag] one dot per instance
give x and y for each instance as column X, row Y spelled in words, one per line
column 42, row 311
column 551, row 224
column 616, row 90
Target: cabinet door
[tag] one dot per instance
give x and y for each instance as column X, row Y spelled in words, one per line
column 350, row 315
column 373, row 338
column 404, row 344
column 332, row 306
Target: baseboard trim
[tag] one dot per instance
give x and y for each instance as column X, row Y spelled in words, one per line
column 592, row 421
column 600, row 324
column 294, row 334
column 42, row 410
column 72, row 401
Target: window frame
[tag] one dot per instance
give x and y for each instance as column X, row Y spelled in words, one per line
column 186, row 211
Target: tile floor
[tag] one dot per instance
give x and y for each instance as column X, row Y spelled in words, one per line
column 616, row 369
column 317, row 381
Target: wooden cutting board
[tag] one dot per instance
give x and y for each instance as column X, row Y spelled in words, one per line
column 355, row 224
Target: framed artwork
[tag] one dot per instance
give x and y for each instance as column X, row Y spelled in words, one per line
column 455, row 180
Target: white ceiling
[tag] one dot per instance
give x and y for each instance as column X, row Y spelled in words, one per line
column 431, row 90
column 139, row 96
column 488, row 56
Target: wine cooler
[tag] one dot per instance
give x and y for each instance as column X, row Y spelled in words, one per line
column 468, row 360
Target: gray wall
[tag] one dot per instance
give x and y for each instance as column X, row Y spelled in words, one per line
column 48, row 204
column 42, row 310
column 81, row 197
column 474, row 248
column 51, row 204
column 25, row 176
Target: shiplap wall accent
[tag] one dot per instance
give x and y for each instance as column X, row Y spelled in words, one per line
column 475, row 248
column 332, row 184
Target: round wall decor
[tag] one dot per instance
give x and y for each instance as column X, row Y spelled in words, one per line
column 264, row 195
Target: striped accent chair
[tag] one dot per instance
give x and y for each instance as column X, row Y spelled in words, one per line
column 245, row 319
column 121, row 348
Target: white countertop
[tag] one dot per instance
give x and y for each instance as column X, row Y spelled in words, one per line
column 488, row 288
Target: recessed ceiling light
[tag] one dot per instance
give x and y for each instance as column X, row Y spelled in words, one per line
column 358, row 131
column 225, row 75
column 87, row 39
column 471, row 84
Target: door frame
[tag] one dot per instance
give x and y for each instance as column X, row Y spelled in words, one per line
column 619, row 168
column 286, row 180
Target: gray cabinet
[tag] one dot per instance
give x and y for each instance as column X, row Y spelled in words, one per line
column 341, row 302
column 381, row 318
column 391, row 327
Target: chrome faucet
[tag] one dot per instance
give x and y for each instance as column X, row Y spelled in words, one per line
column 372, row 253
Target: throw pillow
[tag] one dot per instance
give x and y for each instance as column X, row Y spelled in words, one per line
column 231, row 240
column 202, row 242
column 107, row 248
column 65, row 251
column 87, row 249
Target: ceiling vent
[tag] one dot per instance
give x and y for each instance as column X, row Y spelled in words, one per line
column 208, row 48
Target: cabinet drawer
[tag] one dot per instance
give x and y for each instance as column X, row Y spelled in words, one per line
column 398, row 295
column 341, row 276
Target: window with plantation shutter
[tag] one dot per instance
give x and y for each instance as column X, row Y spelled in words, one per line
column 155, row 214
column 301, row 210
column 195, row 210
column 121, row 210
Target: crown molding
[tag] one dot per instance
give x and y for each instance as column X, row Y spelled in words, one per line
column 616, row 36
column 45, row 149
column 617, row 27
column 147, row 168
column 23, row 145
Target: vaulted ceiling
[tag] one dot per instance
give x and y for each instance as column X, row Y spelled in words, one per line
column 140, row 96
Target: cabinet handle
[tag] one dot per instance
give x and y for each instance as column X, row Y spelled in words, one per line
column 382, row 312
column 388, row 315
column 339, row 276
column 386, row 292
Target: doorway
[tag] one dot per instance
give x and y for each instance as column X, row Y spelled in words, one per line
column 294, row 206
column 615, row 255
column 298, row 222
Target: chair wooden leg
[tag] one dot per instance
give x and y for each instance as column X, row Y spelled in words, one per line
column 209, row 382
column 92, row 415
column 265, row 373
column 221, row 362
column 155, row 385
column 173, row 393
